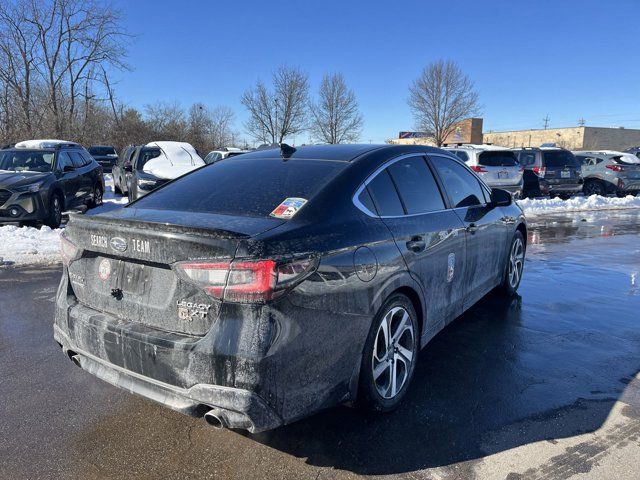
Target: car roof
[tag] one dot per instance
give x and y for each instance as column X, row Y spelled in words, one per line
column 341, row 152
column 45, row 144
column 479, row 147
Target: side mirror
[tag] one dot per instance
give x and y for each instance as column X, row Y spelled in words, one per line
column 500, row 198
column 68, row 168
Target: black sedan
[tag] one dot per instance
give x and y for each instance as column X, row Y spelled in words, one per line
column 41, row 179
column 256, row 291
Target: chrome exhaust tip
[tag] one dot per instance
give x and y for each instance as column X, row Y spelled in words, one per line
column 214, row 418
column 75, row 358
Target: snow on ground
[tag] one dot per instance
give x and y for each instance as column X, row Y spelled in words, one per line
column 540, row 206
column 30, row 245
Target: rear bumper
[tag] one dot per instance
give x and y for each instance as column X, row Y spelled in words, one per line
column 258, row 366
column 564, row 187
column 238, row 408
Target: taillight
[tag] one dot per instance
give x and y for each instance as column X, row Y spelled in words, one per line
column 615, row 168
column 478, row 169
column 247, row 281
column 69, row 250
column 540, row 171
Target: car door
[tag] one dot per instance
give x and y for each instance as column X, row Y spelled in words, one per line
column 68, row 179
column 485, row 226
column 429, row 236
column 85, row 175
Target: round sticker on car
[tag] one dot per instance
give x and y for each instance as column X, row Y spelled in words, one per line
column 104, row 269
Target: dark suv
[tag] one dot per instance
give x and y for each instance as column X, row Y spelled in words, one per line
column 104, row 155
column 558, row 171
column 41, row 179
column 121, row 171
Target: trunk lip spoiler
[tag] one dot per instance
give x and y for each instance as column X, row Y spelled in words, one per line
column 81, row 220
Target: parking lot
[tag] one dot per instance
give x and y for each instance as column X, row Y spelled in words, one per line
column 543, row 386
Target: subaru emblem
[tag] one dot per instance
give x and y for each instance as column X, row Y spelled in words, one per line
column 118, row 244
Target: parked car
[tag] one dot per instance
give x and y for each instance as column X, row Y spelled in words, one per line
column 257, row 291
column 497, row 166
column 121, row 171
column 157, row 163
column 558, row 171
column 39, row 179
column 634, row 151
column 217, row 155
column 106, row 156
column 607, row 171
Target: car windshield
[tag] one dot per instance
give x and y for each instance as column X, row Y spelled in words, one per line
column 559, row 159
column 26, row 161
column 245, row 187
column 498, row 159
column 102, row 151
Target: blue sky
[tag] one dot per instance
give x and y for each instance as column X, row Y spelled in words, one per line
column 568, row 59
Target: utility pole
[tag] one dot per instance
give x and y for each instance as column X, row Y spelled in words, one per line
column 546, row 121
column 581, row 122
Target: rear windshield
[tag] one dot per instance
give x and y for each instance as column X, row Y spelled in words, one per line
column 244, row 187
column 559, row 159
column 100, row 151
column 498, row 159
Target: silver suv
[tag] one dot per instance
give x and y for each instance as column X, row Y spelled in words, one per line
column 607, row 171
column 497, row 166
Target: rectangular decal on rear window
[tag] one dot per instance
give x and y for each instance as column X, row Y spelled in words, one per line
column 288, row 208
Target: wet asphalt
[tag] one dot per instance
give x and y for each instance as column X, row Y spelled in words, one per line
column 544, row 385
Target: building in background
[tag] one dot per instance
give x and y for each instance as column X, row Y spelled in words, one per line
column 572, row 138
column 467, row 131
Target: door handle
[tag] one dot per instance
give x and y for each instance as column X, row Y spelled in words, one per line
column 472, row 228
column 416, row 244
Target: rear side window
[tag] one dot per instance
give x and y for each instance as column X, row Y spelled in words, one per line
column 251, row 187
column 77, row 159
column 462, row 155
column 559, row 159
column 498, row 159
column 102, row 151
column 461, row 185
column 417, row 187
column 385, row 196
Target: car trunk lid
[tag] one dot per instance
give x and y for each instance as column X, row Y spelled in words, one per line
column 127, row 264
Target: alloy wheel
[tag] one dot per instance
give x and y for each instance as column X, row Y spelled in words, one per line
column 393, row 352
column 97, row 196
column 57, row 210
column 516, row 263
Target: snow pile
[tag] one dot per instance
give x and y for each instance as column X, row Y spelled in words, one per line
column 30, row 245
column 540, row 206
column 27, row 245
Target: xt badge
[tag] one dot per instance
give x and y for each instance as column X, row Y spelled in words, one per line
column 451, row 266
column 191, row 311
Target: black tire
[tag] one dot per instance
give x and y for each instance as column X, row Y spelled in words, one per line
column 96, row 196
column 369, row 396
column 54, row 217
column 508, row 285
column 594, row 187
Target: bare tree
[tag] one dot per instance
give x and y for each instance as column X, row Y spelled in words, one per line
column 335, row 117
column 221, row 132
column 441, row 97
column 208, row 128
column 54, row 59
column 166, row 121
column 281, row 111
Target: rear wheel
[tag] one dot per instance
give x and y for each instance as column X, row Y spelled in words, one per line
column 116, row 187
column 96, row 197
column 515, row 265
column 594, row 187
column 54, row 219
column 389, row 356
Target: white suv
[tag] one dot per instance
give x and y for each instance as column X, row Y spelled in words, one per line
column 497, row 166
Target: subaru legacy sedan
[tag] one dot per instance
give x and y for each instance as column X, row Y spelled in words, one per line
column 257, row 291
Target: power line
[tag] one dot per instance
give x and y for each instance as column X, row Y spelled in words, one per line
column 546, row 121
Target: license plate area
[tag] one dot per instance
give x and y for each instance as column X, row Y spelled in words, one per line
column 503, row 174
column 133, row 277
column 565, row 174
